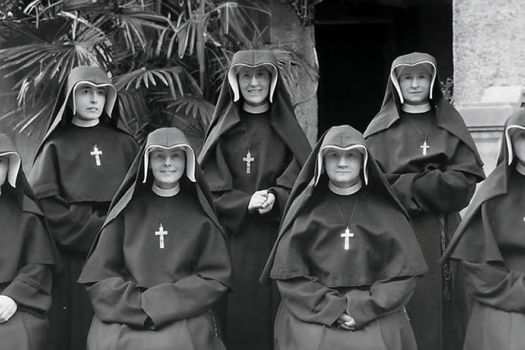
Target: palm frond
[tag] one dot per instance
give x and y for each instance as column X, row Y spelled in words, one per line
column 134, row 110
column 42, row 61
column 293, row 69
column 133, row 26
column 171, row 77
column 191, row 114
column 195, row 107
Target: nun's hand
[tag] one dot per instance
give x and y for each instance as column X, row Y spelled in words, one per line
column 257, row 200
column 8, row 308
column 346, row 322
column 267, row 206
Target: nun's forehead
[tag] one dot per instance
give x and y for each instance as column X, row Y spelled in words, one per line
column 421, row 68
column 250, row 69
column 166, row 149
column 89, row 84
column 343, row 150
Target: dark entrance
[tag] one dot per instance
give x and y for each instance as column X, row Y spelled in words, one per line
column 356, row 42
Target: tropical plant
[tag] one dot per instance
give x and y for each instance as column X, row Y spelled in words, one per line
column 167, row 57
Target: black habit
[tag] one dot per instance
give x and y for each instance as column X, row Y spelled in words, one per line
column 275, row 147
column 75, row 174
column 26, row 260
column 491, row 245
column 322, row 273
column 159, row 264
column 433, row 166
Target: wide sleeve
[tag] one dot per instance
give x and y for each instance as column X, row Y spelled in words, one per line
column 382, row 298
column 495, row 285
column 73, row 226
column 489, row 280
column 231, row 204
column 311, row 301
column 114, row 295
column 283, row 186
column 31, row 288
column 455, row 183
column 232, row 208
column 196, row 293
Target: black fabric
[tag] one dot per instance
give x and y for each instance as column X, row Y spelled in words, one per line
column 489, row 243
column 162, row 295
column 27, row 260
column 320, row 279
column 433, row 188
column 281, row 148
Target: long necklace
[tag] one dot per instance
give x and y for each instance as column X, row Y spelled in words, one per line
column 347, row 233
column 423, row 133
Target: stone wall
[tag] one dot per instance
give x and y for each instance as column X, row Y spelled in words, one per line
column 287, row 31
column 489, row 68
column 489, row 46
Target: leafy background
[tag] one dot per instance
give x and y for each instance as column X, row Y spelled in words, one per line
column 166, row 57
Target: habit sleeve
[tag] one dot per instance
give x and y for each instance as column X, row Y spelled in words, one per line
column 74, row 226
column 32, row 287
column 382, row 298
column 283, row 186
column 116, row 298
column 232, row 208
column 494, row 285
column 417, row 191
column 232, row 204
column 194, row 294
column 311, row 301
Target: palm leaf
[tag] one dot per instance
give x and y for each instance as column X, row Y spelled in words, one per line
column 170, row 77
column 195, row 107
column 293, row 68
column 134, row 110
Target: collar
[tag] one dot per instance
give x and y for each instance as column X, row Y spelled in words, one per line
column 84, row 123
column 520, row 168
column 260, row 109
column 415, row 109
column 166, row 192
column 345, row 191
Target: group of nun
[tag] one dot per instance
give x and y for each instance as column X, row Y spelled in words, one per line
column 260, row 241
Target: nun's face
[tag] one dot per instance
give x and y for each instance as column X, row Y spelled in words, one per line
column 415, row 85
column 4, row 168
column 89, row 101
column 167, row 166
column 343, row 167
column 518, row 144
column 254, row 84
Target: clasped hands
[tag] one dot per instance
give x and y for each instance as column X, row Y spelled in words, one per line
column 8, row 308
column 346, row 322
column 262, row 201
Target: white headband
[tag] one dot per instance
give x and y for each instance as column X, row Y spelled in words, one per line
column 14, row 167
column 190, row 159
column 234, row 82
column 509, row 143
column 394, row 80
column 109, row 104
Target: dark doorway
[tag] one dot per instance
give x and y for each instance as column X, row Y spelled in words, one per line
column 356, row 42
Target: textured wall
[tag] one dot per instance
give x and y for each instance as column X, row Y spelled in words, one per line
column 489, row 46
column 287, row 31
